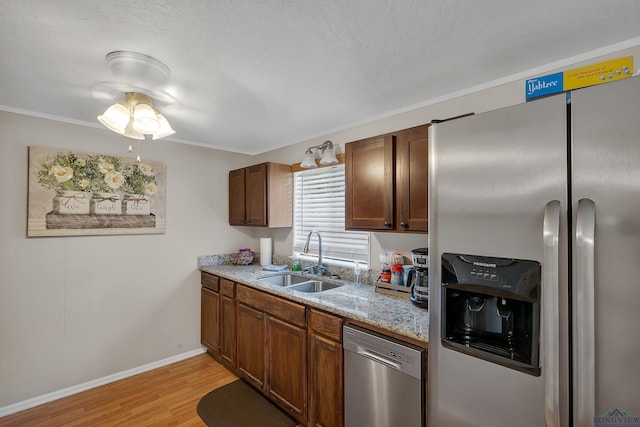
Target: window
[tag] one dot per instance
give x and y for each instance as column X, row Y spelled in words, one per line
column 319, row 205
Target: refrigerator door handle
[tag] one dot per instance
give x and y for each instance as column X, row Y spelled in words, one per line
column 585, row 313
column 550, row 315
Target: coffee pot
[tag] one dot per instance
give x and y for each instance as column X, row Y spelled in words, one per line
column 418, row 278
column 419, row 282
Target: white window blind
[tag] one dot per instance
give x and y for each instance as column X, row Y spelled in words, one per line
column 319, row 205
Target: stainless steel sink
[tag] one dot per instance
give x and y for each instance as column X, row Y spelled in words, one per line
column 315, row 286
column 284, row 279
column 300, row 283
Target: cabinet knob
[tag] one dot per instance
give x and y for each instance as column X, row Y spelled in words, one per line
column 388, row 224
column 403, row 225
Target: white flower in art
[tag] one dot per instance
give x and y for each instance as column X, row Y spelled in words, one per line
column 62, row 173
column 114, row 180
column 150, row 188
column 145, row 168
column 81, row 162
column 83, row 183
column 106, row 167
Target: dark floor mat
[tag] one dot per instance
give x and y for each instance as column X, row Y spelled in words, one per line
column 237, row 404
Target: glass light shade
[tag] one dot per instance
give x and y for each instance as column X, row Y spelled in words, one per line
column 165, row 128
column 135, row 117
column 115, row 118
column 309, row 160
column 130, row 132
column 145, row 120
column 328, row 157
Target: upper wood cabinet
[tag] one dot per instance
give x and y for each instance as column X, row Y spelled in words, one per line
column 386, row 182
column 369, row 179
column 261, row 196
column 412, row 152
column 236, row 197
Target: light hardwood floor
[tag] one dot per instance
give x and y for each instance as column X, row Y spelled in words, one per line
column 166, row 396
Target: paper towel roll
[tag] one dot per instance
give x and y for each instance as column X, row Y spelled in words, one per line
column 265, row 251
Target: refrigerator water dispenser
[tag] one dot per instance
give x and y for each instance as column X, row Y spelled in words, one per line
column 491, row 309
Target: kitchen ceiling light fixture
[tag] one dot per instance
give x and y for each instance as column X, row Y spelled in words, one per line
column 140, row 78
column 328, row 156
column 136, row 117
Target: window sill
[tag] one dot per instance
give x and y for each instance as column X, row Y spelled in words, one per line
column 331, row 261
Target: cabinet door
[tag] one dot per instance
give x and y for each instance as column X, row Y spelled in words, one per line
column 228, row 330
column 326, row 384
column 411, row 179
column 251, row 344
column 237, row 213
column 256, row 195
column 209, row 319
column 369, row 177
column 287, row 361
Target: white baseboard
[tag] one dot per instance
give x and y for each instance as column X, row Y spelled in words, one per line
column 49, row 397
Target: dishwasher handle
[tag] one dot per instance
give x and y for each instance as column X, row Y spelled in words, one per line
column 377, row 358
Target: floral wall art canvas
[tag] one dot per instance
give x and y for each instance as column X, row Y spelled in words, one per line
column 76, row 193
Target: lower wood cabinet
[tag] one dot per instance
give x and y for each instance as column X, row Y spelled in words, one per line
column 251, row 343
column 326, row 393
column 292, row 353
column 272, row 349
column 218, row 318
column 209, row 303
column 210, row 313
column 287, row 366
column 228, row 322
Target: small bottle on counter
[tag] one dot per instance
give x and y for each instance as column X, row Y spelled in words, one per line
column 295, row 264
column 396, row 275
column 385, row 274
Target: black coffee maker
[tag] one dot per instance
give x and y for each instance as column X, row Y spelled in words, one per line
column 419, row 277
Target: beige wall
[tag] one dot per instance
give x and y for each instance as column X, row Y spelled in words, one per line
column 74, row 309
column 77, row 309
column 506, row 92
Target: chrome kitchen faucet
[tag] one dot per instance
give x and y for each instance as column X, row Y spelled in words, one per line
column 319, row 269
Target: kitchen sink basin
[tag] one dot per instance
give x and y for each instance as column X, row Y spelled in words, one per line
column 300, row 283
column 313, row 286
column 284, row 280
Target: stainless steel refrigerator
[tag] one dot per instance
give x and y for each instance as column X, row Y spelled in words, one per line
column 554, row 183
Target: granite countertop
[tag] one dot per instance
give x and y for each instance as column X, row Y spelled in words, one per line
column 360, row 303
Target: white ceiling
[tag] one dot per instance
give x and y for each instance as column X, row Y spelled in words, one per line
column 254, row 75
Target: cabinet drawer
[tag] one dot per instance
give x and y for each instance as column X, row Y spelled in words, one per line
column 210, row 281
column 227, row 287
column 278, row 307
column 325, row 324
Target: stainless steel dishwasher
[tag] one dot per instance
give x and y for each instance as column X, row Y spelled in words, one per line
column 384, row 380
